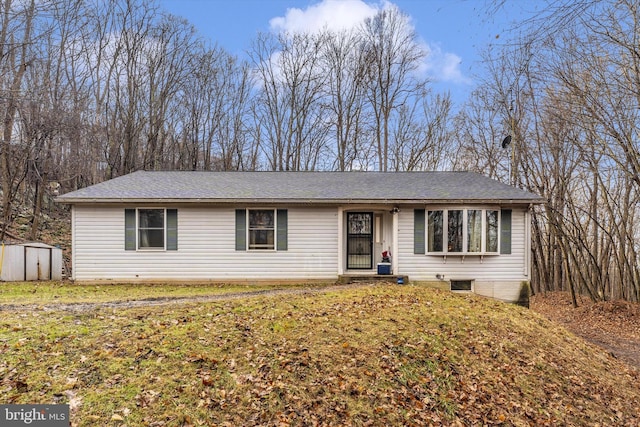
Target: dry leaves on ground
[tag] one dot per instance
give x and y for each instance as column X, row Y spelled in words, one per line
column 613, row 325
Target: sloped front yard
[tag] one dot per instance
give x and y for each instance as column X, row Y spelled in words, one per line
column 371, row 355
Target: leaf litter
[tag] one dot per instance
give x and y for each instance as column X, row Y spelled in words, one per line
column 366, row 356
column 612, row 325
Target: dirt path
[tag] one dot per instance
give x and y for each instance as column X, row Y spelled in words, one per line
column 80, row 307
column 612, row 325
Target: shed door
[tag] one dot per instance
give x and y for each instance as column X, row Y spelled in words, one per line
column 359, row 240
column 37, row 263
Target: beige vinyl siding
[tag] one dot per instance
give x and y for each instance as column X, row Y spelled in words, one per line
column 206, row 248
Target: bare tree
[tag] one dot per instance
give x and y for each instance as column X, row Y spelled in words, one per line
column 16, row 38
column 345, row 65
column 55, row 123
column 124, row 118
column 165, row 67
column 290, row 110
column 93, row 90
column 421, row 133
column 215, row 100
column 392, row 56
column 575, row 125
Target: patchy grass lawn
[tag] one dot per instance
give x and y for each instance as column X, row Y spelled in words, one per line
column 66, row 292
column 377, row 355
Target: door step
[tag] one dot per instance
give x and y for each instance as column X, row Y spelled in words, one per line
column 345, row 279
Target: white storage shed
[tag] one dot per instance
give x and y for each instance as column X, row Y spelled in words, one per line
column 30, row 261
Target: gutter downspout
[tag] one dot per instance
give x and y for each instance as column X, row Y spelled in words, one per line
column 394, row 244
column 341, row 241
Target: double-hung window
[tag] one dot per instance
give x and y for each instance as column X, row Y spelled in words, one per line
column 463, row 231
column 261, row 229
column 151, row 229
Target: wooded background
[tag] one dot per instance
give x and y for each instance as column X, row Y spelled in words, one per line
column 94, row 89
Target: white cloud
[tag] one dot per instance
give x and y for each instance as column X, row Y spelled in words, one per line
column 443, row 66
column 344, row 14
column 330, row 14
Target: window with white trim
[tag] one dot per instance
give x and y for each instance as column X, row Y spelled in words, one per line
column 262, row 229
column 463, row 231
column 151, row 229
column 474, row 230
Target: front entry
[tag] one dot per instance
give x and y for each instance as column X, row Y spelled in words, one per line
column 359, row 240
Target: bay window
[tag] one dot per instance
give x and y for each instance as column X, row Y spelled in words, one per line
column 463, row 231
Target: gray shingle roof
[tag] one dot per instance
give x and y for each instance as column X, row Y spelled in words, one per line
column 301, row 187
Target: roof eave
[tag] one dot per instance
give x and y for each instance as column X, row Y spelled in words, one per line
column 105, row 201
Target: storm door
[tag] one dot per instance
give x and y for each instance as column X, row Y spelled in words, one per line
column 359, row 240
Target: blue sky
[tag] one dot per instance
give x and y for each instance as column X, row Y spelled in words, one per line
column 454, row 31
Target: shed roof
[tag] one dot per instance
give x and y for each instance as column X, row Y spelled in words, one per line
column 31, row 245
column 300, row 187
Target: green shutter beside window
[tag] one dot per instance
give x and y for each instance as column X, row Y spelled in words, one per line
column 241, row 230
column 418, row 231
column 130, row 229
column 505, row 232
column 281, row 235
column 172, row 229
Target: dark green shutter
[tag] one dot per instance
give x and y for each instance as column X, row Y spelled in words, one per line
column 172, row 229
column 282, row 230
column 505, row 233
column 130, row 229
column 418, row 231
column 241, row 230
